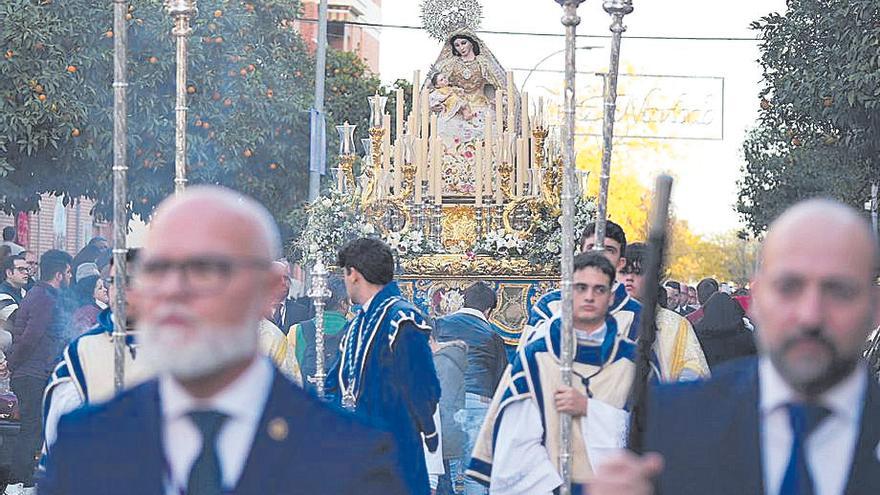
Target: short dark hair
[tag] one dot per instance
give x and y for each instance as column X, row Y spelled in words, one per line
column 466, row 37
column 612, row 231
column 8, row 233
column 53, row 262
column 371, row 257
column 481, row 297
column 662, row 297
column 596, row 260
column 705, row 289
column 95, row 240
column 636, row 257
column 673, row 284
column 9, row 264
column 434, row 78
column 337, row 292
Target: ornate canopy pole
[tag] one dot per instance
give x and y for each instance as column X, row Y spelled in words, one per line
column 319, row 293
column 617, row 9
column 120, row 189
column 181, row 11
column 570, row 20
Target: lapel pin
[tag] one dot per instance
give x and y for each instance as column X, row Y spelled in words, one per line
column 278, row 429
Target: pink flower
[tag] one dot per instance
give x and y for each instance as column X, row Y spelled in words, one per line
column 468, row 155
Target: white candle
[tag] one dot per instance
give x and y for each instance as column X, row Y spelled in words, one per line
column 398, row 114
column 386, row 157
column 511, row 103
column 425, row 113
column 520, row 165
column 478, row 176
column 524, row 114
column 416, row 105
column 438, row 172
column 499, row 112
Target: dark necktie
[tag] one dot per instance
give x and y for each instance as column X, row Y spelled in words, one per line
column 804, row 418
column 206, row 477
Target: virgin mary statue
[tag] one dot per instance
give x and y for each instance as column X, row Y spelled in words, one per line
column 462, row 84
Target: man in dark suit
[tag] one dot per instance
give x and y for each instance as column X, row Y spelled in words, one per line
column 219, row 418
column 802, row 418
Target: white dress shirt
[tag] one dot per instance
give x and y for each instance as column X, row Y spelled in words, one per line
column 521, row 464
column 243, row 401
column 829, row 448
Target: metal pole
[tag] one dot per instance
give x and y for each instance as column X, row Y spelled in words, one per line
column 320, row 69
column 570, row 20
column 874, row 191
column 319, row 293
column 617, row 9
column 120, row 192
column 181, row 11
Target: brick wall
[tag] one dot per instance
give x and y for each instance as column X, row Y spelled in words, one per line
column 80, row 227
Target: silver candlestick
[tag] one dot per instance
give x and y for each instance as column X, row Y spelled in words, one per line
column 319, row 294
column 181, row 11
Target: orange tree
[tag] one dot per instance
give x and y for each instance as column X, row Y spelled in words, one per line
column 819, row 127
column 251, row 81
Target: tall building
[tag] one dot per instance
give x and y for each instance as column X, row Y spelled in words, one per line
column 363, row 40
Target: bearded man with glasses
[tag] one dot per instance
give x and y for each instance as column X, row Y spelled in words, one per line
column 219, row 418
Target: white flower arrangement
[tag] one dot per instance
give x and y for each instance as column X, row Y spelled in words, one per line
column 411, row 244
column 332, row 221
column 499, row 242
column 545, row 245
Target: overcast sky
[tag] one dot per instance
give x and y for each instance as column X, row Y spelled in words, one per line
column 706, row 170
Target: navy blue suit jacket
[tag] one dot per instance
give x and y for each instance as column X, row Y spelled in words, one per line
column 117, row 448
column 708, row 434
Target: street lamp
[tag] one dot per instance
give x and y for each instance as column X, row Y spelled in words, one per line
column 181, row 11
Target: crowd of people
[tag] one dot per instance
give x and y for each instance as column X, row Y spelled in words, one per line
column 221, row 364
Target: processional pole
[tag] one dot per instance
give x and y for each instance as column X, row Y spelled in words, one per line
column 570, row 20
column 319, row 293
column 181, row 11
column 120, row 192
column 617, row 9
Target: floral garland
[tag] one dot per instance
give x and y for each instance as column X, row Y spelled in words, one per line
column 334, row 220
column 545, row 244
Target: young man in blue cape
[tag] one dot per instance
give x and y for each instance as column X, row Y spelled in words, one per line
column 385, row 369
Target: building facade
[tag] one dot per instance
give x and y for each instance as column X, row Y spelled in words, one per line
column 56, row 226
column 363, row 40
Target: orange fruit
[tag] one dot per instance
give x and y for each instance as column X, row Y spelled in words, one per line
column 153, row 59
column 41, row 97
column 273, row 166
column 218, row 39
column 71, row 68
column 248, row 153
column 243, row 72
column 74, row 132
column 109, row 34
column 227, row 102
column 218, row 13
column 270, row 93
column 9, row 54
column 191, row 89
column 206, row 126
column 128, row 17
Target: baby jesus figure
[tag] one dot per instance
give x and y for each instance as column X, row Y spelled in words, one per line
column 448, row 100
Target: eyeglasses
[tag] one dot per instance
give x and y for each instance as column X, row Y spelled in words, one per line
column 21, row 269
column 200, row 274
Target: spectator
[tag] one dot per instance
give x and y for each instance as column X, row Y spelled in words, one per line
column 450, row 361
column 15, row 277
column 30, row 258
column 37, row 341
column 486, row 356
column 90, row 253
column 9, row 240
column 722, row 331
column 705, row 289
column 91, row 297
